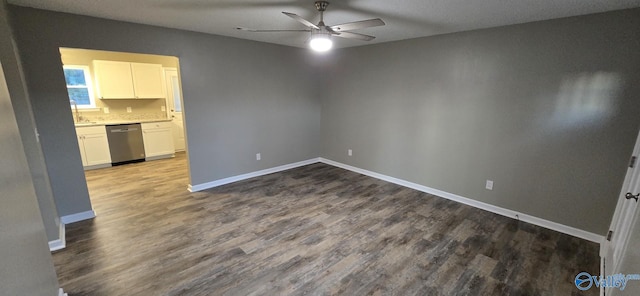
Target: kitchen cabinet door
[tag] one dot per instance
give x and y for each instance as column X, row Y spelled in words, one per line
column 147, row 81
column 113, row 80
column 83, row 156
column 94, row 147
column 158, row 140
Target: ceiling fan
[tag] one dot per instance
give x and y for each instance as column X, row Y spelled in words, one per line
column 321, row 33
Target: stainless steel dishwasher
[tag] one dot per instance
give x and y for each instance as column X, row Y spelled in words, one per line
column 125, row 143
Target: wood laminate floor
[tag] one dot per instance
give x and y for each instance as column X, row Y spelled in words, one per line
column 315, row 230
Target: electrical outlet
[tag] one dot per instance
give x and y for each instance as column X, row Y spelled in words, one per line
column 350, row 152
column 489, row 185
column 105, row 110
column 128, row 109
column 258, row 156
column 163, row 108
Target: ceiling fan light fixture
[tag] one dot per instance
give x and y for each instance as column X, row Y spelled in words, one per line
column 321, row 42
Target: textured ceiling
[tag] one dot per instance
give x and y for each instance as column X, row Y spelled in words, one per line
column 405, row 18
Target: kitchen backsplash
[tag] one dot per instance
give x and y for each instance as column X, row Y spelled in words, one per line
column 140, row 110
column 101, row 117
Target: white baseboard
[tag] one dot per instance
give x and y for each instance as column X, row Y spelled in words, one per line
column 62, row 293
column 474, row 203
column 59, row 243
column 212, row 184
column 97, row 166
column 160, row 157
column 68, row 219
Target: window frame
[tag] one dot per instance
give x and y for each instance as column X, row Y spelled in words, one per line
column 88, row 86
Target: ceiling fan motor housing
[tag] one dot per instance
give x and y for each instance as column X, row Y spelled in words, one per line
column 322, row 31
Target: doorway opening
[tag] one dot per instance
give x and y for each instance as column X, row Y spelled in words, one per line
column 126, row 108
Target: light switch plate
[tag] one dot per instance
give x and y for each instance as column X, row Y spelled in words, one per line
column 105, row 110
column 128, row 109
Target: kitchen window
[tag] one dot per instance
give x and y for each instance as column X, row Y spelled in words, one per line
column 79, row 86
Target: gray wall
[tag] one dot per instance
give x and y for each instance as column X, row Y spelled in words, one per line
column 27, row 268
column 26, row 124
column 547, row 110
column 240, row 97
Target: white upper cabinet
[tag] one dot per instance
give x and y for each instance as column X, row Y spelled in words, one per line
column 147, row 81
column 124, row 80
column 113, row 80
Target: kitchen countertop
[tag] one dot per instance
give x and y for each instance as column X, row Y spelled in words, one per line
column 98, row 123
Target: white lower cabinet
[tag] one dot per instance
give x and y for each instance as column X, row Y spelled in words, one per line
column 158, row 140
column 94, row 146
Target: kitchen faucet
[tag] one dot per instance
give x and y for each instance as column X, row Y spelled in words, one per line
column 75, row 107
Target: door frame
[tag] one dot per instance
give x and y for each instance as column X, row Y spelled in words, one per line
column 170, row 103
column 622, row 221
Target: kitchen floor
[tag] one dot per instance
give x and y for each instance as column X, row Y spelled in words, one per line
column 316, row 230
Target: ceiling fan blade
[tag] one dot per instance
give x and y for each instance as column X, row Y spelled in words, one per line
column 351, row 35
column 261, row 31
column 301, row 20
column 357, row 25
